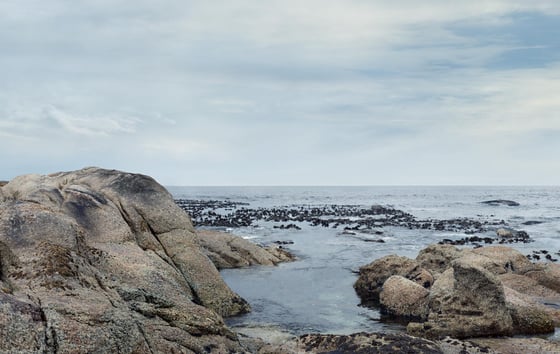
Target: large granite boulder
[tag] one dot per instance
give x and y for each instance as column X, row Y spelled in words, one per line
column 104, row 261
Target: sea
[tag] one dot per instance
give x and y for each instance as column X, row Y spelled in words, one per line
column 315, row 292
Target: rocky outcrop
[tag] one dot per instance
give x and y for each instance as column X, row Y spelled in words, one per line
column 466, row 301
column 230, row 251
column 104, row 261
column 489, row 291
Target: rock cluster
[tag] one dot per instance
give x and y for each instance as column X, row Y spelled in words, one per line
column 104, row 261
column 464, row 293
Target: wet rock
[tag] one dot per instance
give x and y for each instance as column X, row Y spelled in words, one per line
column 230, row 251
column 104, row 261
column 373, row 276
column 532, row 222
column 404, row 298
column 498, row 202
column 351, row 217
column 287, row 227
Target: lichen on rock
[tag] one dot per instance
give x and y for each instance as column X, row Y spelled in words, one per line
column 100, row 260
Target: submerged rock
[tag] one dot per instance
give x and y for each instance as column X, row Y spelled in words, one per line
column 497, row 202
column 104, row 261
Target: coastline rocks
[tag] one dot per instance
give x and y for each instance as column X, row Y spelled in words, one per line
column 104, row 261
column 467, row 301
column 489, row 291
column 230, row 251
column 372, row 276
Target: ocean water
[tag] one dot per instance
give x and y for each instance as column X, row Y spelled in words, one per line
column 315, row 293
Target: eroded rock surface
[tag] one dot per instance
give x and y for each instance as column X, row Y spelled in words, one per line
column 104, row 261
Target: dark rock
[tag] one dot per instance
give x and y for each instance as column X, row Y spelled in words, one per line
column 532, row 222
column 497, row 202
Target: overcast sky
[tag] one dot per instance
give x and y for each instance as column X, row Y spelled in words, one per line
column 302, row 92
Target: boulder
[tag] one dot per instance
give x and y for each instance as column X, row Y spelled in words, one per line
column 501, row 260
column 466, row 301
column 529, row 317
column 230, row 251
column 373, row 276
column 100, row 260
column 547, row 275
column 404, row 298
column 437, row 258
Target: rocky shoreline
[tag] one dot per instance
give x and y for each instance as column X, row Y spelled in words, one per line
column 102, row 261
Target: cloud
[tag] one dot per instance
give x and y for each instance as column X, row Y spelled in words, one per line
column 257, row 86
column 92, row 126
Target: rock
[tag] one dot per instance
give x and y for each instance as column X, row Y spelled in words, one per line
column 498, row 202
column 528, row 316
column 104, row 261
column 466, row 301
column 519, row 345
column 373, row 276
column 547, row 275
column 523, row 291
column 366, row 343
column 404, row 298
column 230, row 251
column 437, row 258
column 501, row 259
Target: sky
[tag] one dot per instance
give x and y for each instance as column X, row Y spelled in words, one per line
column 290, row 92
